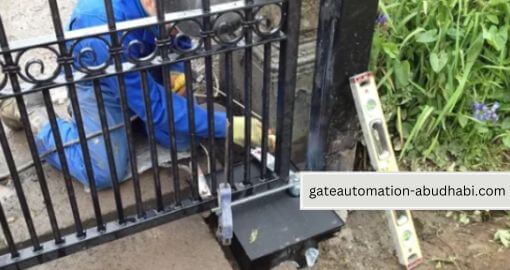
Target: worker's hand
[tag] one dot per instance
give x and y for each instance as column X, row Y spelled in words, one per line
column 256, row 133
column 178, row 80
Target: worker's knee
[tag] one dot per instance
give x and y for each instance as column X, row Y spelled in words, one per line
column 103, row 175
column 103, row 178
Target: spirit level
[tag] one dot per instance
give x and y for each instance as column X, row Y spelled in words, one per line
column 382, row 158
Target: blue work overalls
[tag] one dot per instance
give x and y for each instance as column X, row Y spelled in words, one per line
column 90, row 13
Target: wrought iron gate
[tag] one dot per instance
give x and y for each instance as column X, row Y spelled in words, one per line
column 253, row 30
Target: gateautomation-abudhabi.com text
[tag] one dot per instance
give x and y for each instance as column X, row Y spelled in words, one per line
column 392, row 191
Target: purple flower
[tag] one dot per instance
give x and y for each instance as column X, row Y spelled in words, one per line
column 482, row 112
column 477, row 106
column 382, row 19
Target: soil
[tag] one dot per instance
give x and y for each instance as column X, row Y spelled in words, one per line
column 189, row 244
column 365, row 243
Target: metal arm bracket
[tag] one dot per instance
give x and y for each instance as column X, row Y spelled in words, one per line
column 225, row 220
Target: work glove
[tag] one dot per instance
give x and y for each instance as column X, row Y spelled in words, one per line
column 256, row 133
column 178, row 80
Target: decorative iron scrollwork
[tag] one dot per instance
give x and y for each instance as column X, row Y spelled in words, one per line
column 38, row 65
column 228, row 28
column 86, row 54
column 268, row 20
column 3, row 76
column 87, row 59
column 189, row 39
column 135, row 50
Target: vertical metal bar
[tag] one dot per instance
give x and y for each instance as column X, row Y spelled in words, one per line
column 109, row 149
column 328, row 18
column 7, row 233
column 287, row 86
column 66, row 60
column 164, row 42
column 152, row 140
column 228, row 80
column 266, row 84
column 116, row 52
column 206, row 20
column 18, row 187
column 343, row 37
column 191, row 122
column 13, row 77
column 248, row 36
column 63, row 162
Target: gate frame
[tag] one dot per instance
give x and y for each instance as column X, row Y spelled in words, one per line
column 339, row 28
column 36, row 252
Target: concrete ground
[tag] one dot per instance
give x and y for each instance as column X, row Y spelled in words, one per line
column 186, row 244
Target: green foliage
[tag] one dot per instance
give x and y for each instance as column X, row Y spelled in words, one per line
column 503, row 237
column 433, row 60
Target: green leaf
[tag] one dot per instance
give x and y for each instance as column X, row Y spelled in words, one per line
column 402, row 73
column 438, row 62
column 464, row 219
column 420, row 124
column 391, row 49
column 463, row 120
column 472, row 55
column 503, row 236
column 427, row 37
column 506, row 141
column 453, row 32
column 505, row 124
column 497, row 38
column 493, row 18
column 482, row 129
column 253, row 236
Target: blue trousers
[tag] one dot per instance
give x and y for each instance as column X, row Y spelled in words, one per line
column 91, row 122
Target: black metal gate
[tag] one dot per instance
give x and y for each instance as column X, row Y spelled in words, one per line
column 253, row 30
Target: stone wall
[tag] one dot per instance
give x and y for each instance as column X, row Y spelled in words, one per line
column 306, row 63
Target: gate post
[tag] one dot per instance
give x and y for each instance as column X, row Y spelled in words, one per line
column 344, row 40
column 287, row 86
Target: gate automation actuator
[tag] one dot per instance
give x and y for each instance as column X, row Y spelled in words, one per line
column 383, row 159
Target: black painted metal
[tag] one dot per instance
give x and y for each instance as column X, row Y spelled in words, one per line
column 11, row 70
column 115, row 51
column 208, row 61
column 65, row 169
column 287, row 86
column 19, row 190
column 248, row 78
column 343, row 37
column 18, row 78
column 191, row 120
column 163, row 40
column 7, row 233
column 109, row 150
column 65, row 58
column 152, row 142
column 273, row 245
column 265, row 108
column 230, row 116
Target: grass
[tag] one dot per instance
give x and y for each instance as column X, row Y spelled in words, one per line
column 434, row 59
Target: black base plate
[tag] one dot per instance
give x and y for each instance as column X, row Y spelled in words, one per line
column 271, row 230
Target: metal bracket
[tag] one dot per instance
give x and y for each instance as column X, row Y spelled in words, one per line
column 225, row 220
column 294, row 178
column 203, row 186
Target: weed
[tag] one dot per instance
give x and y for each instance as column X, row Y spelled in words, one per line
column 434, row 60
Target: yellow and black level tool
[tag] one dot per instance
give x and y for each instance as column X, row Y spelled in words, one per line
column 382, row 158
